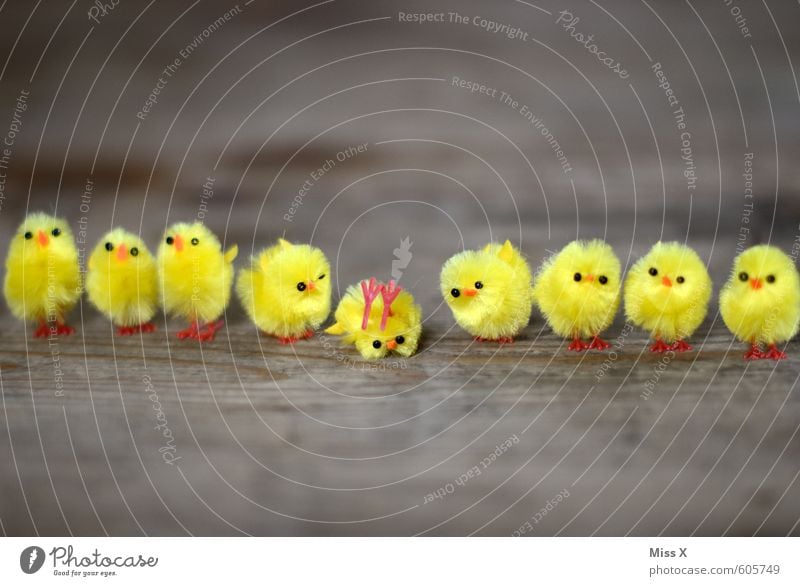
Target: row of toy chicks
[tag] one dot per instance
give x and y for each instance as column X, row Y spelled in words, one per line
column 286, row 291
column 667, row 292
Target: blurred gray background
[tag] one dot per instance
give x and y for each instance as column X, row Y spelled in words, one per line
column 369, row 112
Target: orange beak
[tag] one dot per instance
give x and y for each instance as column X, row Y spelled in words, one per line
column 391, row 344
column 310, row 286
column 589, row 278
column 756, row 284
column 470, row 292
column 122, row 253
column 178, row 241
column 666, row 281
column 43, row 239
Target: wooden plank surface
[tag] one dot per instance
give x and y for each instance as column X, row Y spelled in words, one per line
column 464, row 438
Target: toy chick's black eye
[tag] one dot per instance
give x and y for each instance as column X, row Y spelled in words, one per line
column 577, row 277
column 376, row 344
column 455, row 292
column 56, row 232
column 109, row 246
column 28, row 235
column 743, row 276
column 170, row 240
column 653, row 271
column 134, row 251
column 195, row 242
column 770, row 278
column 301, row 286
column 322, row 276
column 680, row 280
column 478, row 284
column 603, row 279
column 399, row 339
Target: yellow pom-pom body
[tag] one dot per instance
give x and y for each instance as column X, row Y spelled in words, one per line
column 578, row 289
column 402, row 332
column 760, row 303
column 43, row 280
column 286, row 291
column 122, row 279
column 488, row 291
column 667, row 291
column 195, row 276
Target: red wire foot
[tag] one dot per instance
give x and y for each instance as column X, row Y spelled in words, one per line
column 660, row 346
column 505, row 340
column 754, row 353
column 310, row 333
column 286, row 340
column 207, row 334
column 138, row 329
column 578, row 345
column 598, row 344
column 190, row 332
column 681, row 346
column 774, row 353
column 43, row 331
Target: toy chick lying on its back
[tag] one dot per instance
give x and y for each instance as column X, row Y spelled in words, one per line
column 379, row 319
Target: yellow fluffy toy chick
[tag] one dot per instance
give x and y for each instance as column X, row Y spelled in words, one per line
column 667, row 293
column 43, row 279
column 489, row 291
column 286, row 291
column 760, row 303
column 379, row 319
column 195, row 278
column 578, row 291
column 122, row 282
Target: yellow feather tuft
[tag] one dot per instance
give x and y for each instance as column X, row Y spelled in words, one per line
column 488, row 291
column 42, row 279
column 579, row 307
column 122, row 281
column 194, row 276
column 667, row 292
column 403, row 328
column 286, row 291
column 760, row 303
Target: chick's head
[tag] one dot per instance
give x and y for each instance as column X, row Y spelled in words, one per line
column 587, row 269
column 671, row 277
column 120, row 251
column 764, row 276
column 400, row 338
column 185, row 243
column 41, row 237
column 476, row 283
column 300, row 274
